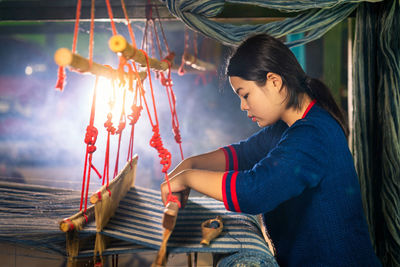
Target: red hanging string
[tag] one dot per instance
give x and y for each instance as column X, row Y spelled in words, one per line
column 167, row 82
column 134, row 116
column 121, row 127
column 110, row 131
column 91, row 33
column 61, row 74
column 110, row 15
column 129, row 24
column 90, row 140
column 156, row 141
column 162, row 30
column 181, row 70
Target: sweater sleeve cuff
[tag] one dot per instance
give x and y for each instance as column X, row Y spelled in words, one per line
column 229, row 194
column 231, row 159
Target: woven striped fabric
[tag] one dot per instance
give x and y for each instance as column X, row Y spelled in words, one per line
column 29, row 215
column 138, row 220
column 316, row 19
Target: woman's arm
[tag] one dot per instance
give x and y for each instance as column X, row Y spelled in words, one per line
column 212, row 161
column 206, row 182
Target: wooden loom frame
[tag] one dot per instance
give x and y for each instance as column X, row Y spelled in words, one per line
column 105, row 202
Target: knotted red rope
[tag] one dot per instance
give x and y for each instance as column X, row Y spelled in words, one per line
column 110, row 130
column 133, row 117
column 167, row 82
column 156, row 141
column 90, row 140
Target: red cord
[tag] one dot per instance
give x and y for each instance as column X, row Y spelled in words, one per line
column 110, row 15
column 91, row 33
column 156, row 141
column 129, row 24
column 121, row 127
column 110, row 130
column 167, row 82
column 90, row 140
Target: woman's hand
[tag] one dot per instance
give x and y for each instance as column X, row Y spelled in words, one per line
column 205, row 182
column 177, row 184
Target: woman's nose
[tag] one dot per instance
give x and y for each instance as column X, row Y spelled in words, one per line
column 243, row 105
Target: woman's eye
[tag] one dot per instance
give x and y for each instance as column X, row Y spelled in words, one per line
column 246, row 96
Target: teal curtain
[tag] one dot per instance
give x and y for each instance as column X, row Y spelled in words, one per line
column 376, row 147
column 316, row 18
column 298, row 51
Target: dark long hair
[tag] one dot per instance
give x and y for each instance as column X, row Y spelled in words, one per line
column 261, row 53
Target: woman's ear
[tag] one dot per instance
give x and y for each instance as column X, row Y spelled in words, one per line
column 275, row 79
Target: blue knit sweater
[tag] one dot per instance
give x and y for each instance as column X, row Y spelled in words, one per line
column 302, row 178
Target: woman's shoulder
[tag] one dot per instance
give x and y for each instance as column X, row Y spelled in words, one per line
column 319, row 124
column 320, row 119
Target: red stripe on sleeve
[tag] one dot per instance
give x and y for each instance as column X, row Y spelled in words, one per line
column 224, row 190
column 226, row 159
column 233, row 192
column 235, row 159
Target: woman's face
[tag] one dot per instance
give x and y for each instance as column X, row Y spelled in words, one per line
column 263, row 104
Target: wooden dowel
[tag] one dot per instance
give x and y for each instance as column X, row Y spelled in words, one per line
column 77, row 221
column 198, row 64
column 64, row 57
column 118, row 44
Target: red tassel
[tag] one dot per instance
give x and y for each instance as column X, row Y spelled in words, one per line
column 61, row 78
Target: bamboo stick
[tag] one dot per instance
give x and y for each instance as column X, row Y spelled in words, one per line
column 197, row 64
column 118, row 44
column 77, row 221
column 64, row 57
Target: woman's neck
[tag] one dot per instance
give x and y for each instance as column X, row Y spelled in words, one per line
column 291, row 115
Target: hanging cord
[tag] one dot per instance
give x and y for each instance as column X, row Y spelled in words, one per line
column 167, row 82
column 110, row 131
column 162, row 30
column 129, row 24
column 156, row 141
column 181, row 70
column 121, row 127
column 62, row 75
column 90, row 140
column 134, row 116
column 91, row 43
column 110, row 15
column 91, row 131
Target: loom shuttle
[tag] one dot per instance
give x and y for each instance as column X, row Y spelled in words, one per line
column 210, row 229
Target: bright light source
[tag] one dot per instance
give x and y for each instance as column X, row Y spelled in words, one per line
column 105, row 93
column 28, row 70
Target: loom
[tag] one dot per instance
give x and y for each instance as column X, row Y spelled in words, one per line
column 135, row 226
column 123, row 218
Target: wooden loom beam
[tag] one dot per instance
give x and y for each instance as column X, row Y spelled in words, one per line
column 65, row 58
column 120, row 45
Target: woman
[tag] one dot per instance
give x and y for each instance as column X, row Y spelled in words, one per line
column 297, row 170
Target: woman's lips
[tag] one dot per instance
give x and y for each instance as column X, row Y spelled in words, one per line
column 253, row 119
